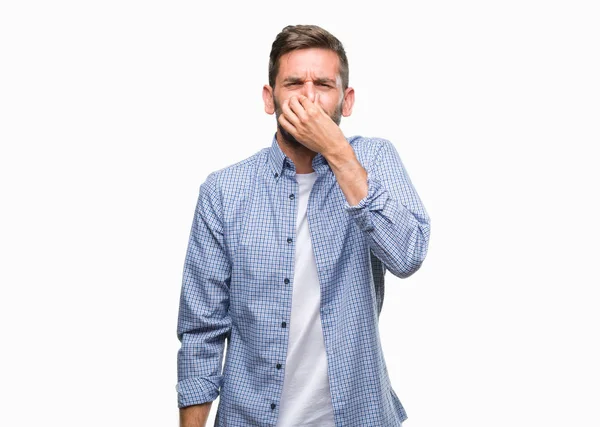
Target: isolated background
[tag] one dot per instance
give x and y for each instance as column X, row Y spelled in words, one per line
column 113, row 113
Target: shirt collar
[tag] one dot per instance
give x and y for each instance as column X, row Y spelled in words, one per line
column 280, row 162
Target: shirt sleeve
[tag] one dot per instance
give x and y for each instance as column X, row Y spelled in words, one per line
column 204, row 321
column 391, row 215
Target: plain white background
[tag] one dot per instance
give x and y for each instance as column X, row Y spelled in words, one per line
column 113, row 113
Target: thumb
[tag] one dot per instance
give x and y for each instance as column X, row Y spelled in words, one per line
column 318, row 101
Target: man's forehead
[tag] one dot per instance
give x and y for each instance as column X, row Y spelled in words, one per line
column 314, row 62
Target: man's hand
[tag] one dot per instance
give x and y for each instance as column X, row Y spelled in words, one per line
column 311, row 125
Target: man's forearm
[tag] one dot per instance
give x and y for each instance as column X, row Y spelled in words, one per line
column 195, row 415
column 349, row 173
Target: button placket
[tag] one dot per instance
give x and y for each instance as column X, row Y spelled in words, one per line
column 286, row 280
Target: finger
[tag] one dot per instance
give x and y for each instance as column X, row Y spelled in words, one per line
column 307, row 105
column 318, row 102
column 285, row 124
column 297, row 106
column 288, row 113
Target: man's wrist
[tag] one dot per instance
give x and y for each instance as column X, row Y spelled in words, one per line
column 341, row 157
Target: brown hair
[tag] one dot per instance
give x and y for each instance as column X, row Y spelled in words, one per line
column 295, row 37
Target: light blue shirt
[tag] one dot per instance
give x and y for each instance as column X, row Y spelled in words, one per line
column 237, row 283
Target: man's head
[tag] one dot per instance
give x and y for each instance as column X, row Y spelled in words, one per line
column 306, row 60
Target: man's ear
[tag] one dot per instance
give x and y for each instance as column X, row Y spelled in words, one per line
column 348, row 102
column 267, row 95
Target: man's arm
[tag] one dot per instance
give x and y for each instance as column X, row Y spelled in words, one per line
column 195, row 415
column 204, row 321
column 390, row 212
column 350, row 175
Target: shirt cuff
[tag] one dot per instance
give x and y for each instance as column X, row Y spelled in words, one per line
column 373, row 201
column 194, row 391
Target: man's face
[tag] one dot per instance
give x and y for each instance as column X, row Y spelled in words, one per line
column 308, row 72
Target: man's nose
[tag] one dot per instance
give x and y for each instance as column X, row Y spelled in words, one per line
column 309, row 91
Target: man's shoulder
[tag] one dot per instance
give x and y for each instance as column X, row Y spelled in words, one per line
column 366, row 147
column 236, row 175
column 367, row 143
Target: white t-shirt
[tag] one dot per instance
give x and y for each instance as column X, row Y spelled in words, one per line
column 306, row 398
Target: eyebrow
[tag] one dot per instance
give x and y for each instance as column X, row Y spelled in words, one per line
column 318, row 80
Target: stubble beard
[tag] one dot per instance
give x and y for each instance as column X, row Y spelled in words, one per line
column 289, row 138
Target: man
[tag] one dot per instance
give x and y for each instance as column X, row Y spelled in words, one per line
column 287, row 256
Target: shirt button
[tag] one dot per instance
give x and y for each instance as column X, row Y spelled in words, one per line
column 272, row 406
column 289, row 240
column 286, row 281
column 291, row 196
column 276, row 174
column 283, row 324
column 279, row 366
